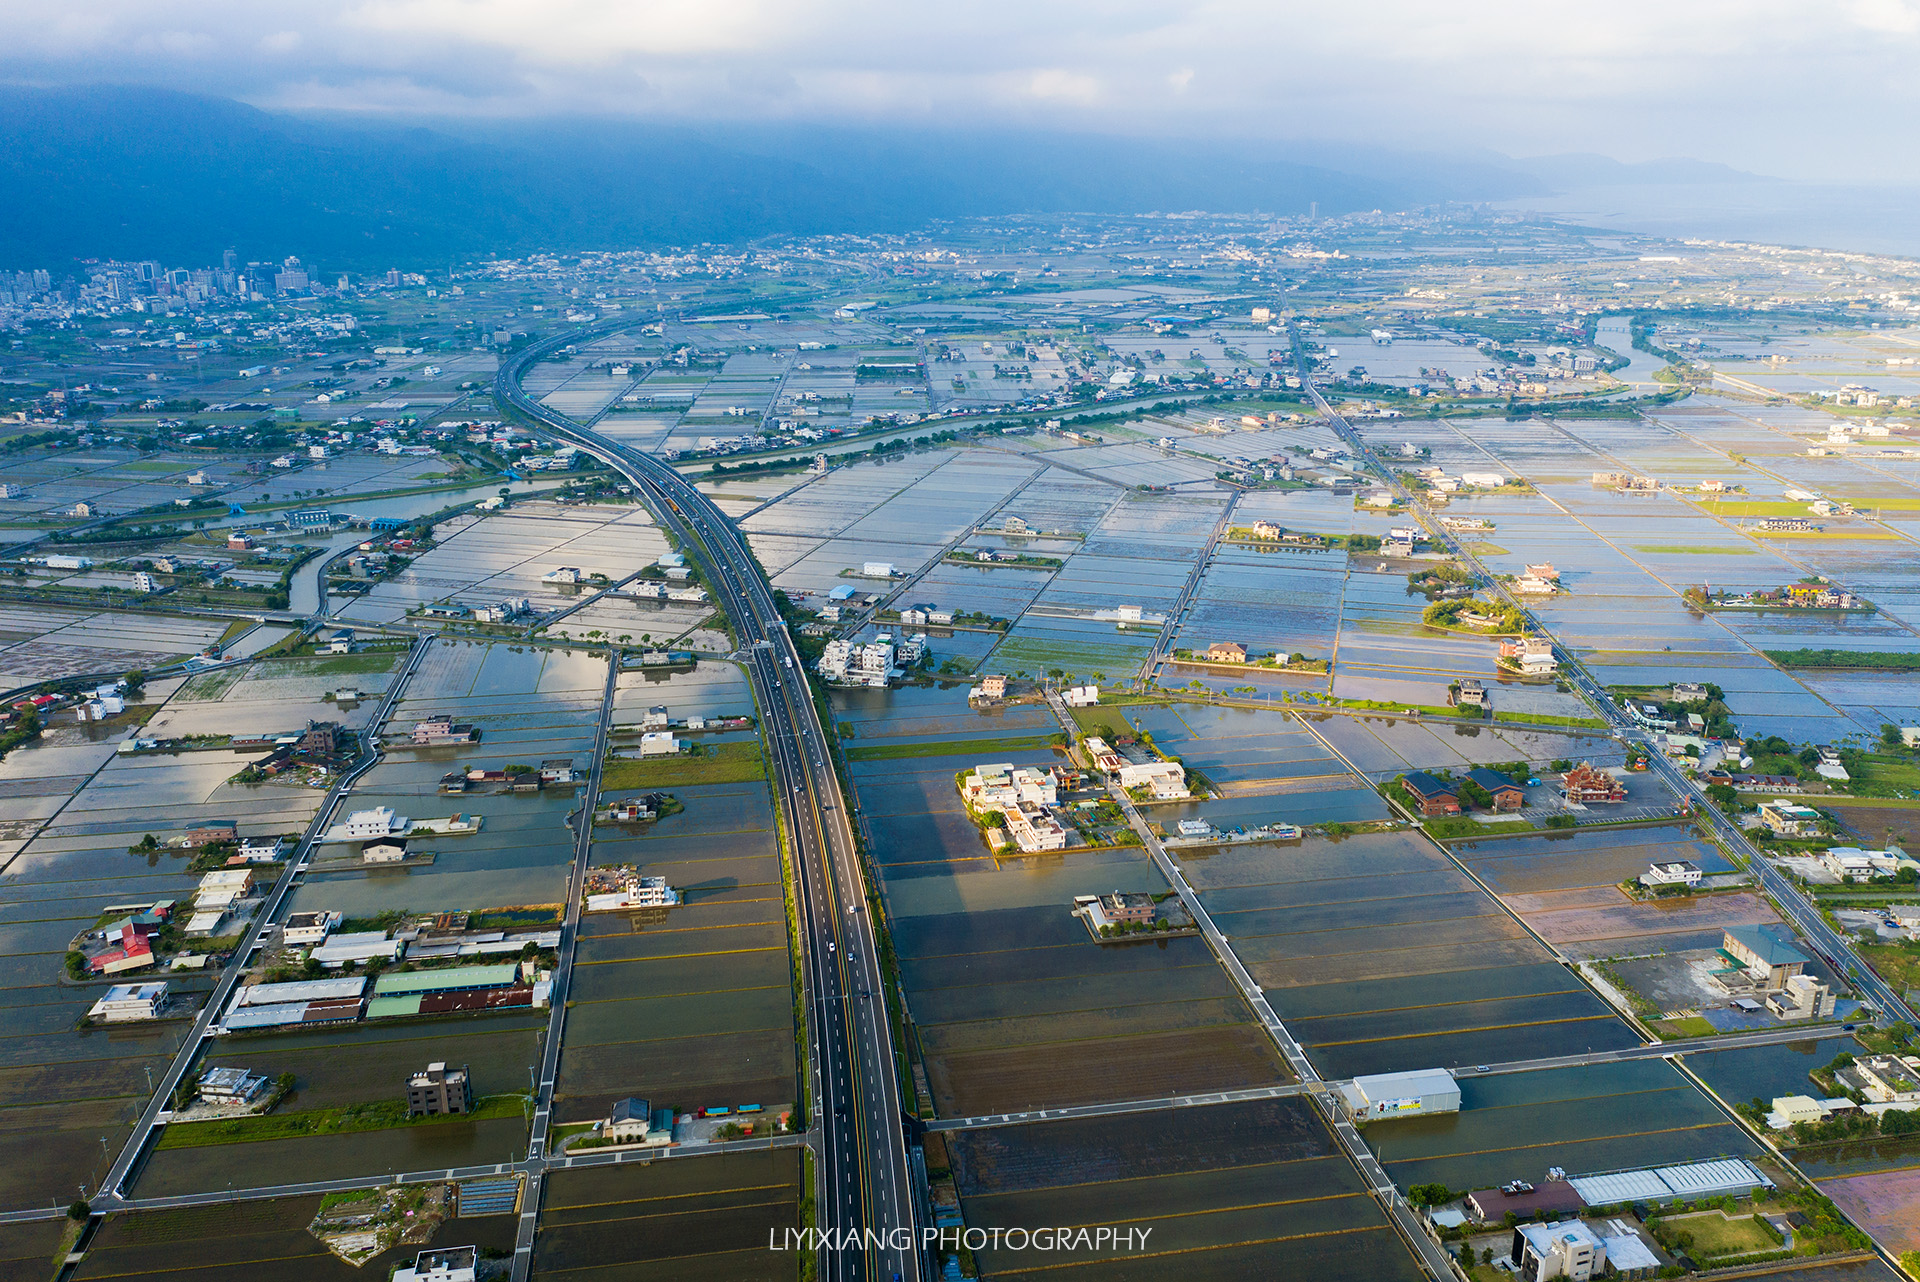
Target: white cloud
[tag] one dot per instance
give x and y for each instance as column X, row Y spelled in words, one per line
column 1069, row 86
column 1745, row 81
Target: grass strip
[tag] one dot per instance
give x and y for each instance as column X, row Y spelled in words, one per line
column 1879, row 660
column 951, row 748
column 350, row 1119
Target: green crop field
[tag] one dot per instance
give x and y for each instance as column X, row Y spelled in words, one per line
column 378, row 1116
column 950, row 748
column 717, row 763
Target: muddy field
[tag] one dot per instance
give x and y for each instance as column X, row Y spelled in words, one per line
column 1236, row 1190
column 234, row 1242
column 697, row 1220
column 1568, row 860
column 1382, row 955
column 1886, row 1204
column 689, row 1006
column 1016, row 1008
column 1603, row 922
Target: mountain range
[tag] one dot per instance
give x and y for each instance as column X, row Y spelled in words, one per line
column 135, row 173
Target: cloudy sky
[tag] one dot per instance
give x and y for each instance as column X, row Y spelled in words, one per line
column 1821, row 90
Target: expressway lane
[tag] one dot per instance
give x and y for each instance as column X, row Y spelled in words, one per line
column 863, row 1188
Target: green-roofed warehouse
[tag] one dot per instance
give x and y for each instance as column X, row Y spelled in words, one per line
column 458, row 989
column 452, row 979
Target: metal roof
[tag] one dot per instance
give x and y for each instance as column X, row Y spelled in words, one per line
column 1697, row 1178
column 302, row 990
column 264, row 1016
column 1420, row 1081
column 1621, row 1186
column 1770, row 950
column 428, row 981
column 1694, row 1179
column 384, row 1007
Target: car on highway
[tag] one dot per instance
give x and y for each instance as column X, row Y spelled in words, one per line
column 1484, row 1068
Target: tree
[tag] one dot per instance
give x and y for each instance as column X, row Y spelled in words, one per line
column 1890, row 736
column 1429, row 1194
column 78, row 1210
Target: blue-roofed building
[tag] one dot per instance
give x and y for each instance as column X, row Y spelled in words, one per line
column 1765, row 959
column 389, row 523
column 1436, row 796
column 631, row 1120
column 1506, row 794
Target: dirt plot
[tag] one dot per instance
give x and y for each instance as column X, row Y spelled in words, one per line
column 689, row 1010
column 1561, row 861
column 265, row 1163
column 1173, row 1142
column 1885, row 1204
column 1878, row 825
column 1603, row 922
column 1384, row 963
column 1053, row 1075
column 235, row 1242
column 337, row 1069
column 1377, row 857
column 26, row 1250
column 691, row 1220
column 995, row 992
column 680, row 1072
column 1109, row 1021
column 736, row 1009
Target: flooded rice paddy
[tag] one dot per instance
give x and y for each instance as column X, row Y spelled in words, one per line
column 690, row 1006
column 1607, row 1117
column 72, row 807
column 1228, row 1191
column 1013, row 1005
column 688, row 1221
column 1566, row 887
column 1380, row 955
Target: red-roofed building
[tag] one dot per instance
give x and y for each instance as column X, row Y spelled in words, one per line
column 1585, row 783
